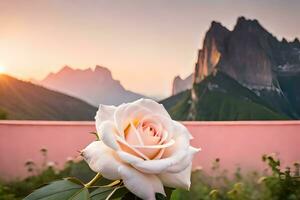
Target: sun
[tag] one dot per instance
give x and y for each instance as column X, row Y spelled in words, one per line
column 2, row 69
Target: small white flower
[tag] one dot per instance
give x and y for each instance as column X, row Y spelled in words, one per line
column 70, row 159
column 142, row 145
column 51, row 164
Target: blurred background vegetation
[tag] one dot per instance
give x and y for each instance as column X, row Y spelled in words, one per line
column 3, row 114
column 271, row 184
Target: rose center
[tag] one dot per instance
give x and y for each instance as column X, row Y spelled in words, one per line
column 141, row 138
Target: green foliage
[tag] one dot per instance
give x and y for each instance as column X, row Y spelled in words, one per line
column 34, row 188
column 41, row 175
column 276, row 184
column 103, row 193
column 63, row 189
column 282, row 184
column 5, row 193
column 290, row 85
column 181, row 109
column 3, row 114
column 217, row 106
column 73, row 189
column 159, row 196
column 273, row 184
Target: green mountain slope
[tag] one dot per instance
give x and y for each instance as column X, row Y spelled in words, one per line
column 178, row 105
column 290, row 82
column 220, row 97
column 24, row 100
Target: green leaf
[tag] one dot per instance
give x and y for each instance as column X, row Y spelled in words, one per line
column 75, row 180
column 130, row 196
column 169, row 192
column 160, row 196
column 60, row 190
column 120, row 192
column 102, row 193
column 96, row 134
column 82, row 194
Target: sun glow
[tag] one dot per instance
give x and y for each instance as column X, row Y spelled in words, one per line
column 2, row 69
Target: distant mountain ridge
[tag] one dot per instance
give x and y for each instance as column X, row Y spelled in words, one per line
column 21, row 100
column 180, row 84
column 93, row 86
column 255, row 59
column 220, row 98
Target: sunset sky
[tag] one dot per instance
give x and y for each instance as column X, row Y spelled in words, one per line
column 145, row 43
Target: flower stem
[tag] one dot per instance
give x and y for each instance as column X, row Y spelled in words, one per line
column 93, row 181
column 114, row 190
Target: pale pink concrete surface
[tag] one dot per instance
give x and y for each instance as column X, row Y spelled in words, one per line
column 235, row 143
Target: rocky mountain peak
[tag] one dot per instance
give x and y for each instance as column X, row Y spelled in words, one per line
column 251, row 59
column 247, row 53
column 284, row 41
column 296, row 43
column 177, row 78
column 103, row 71
column 216, row 31
column 65, row 69
column 95, row 86
column 213, row 48
column 242, row 22
column 217, row 28
column 180, row 84
column 100, row 68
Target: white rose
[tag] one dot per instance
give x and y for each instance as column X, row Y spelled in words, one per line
column 142, row 145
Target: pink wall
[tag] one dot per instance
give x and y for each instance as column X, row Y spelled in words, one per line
column 235, row 143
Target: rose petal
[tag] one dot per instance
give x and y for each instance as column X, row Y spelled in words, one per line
column 150, row 153
column 102, row 159
column 181, row 129
column 131, row 150
column 185, row 162
column 142, row 185
column 129, row 158
column 176, row 128
column 177, row 180
column 149, row 141
column 153, row 151
column 177, row 158
column 173, row 128
column 165, row 137
column 159, row 155
column 153, row 106
column 126, row 113
column 159, row 166
column 148, row 137
column 159, row 146
column 133, row 137
column 176, row 153
column 137, row 109
column 182, row 143
column 104, row 113
column 149, row 121
column 108, row 133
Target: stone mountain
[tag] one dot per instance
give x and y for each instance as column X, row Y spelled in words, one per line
column 94, row 86
column 256, row 60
